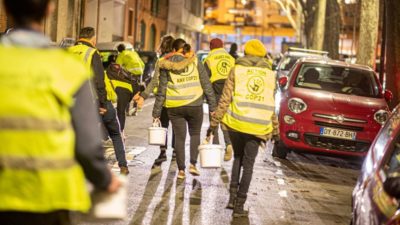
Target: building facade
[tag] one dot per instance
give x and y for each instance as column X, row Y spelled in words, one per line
column 185, row 20
column 151, row 23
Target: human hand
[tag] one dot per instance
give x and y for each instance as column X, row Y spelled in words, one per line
column 102, row 111
column 140, row 102
column 114, row 185
column 136, row 97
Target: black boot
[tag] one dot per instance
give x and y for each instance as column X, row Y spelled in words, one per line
column 238, row 210
column 232, row 198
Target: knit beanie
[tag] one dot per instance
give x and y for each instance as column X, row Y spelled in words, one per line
column 255, row 47
column 216, row 43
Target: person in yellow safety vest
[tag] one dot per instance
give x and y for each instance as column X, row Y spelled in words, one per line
column 181, row 92
column 165, row 48
column 218, row 64
column 48, row 125
column 131, row 62
column 86, row 51
column 247, row 108
column 166, row 52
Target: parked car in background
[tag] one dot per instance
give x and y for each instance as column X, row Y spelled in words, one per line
column 290, row 57
column 109, row 49
column 330, row 107
column 377, row 192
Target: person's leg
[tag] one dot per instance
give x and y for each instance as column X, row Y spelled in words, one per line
column 195, row 120
column 249, row 157
column 179, row 126
column 238, row 149
column 164, row 123
column 111, row 123
column 250, row 153
column 124, row 96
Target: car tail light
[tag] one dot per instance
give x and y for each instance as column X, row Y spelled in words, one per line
column 297, row 105
column 381, row 116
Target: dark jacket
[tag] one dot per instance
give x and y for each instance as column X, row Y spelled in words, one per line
column 98, row 78
column 164, row 78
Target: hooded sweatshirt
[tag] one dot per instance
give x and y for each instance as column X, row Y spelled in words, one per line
column 165, row 66
column 229, row 88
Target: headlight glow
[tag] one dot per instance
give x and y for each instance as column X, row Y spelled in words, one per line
column 297, row 105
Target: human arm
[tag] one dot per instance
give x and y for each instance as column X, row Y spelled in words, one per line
column 88, row 148
column 208, row 71
column 98, row 79
column 160, row 97
column 153, row 83
column 225, row 100
column 207, row 87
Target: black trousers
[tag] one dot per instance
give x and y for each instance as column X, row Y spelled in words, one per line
column 165, row 123
column 27, row 218
column 110, row 122
column 181, row 118
column 245, row 147
column 124, row 98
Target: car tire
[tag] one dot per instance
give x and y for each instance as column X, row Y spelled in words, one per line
column 279, row 151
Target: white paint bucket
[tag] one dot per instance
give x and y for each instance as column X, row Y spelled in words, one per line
column 210, row 155
column 157, row 134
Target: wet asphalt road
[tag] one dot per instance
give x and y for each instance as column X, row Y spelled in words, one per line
column 305, row 189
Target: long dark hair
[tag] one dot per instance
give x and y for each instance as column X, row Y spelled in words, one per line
column 166, row 44
column 178, row 44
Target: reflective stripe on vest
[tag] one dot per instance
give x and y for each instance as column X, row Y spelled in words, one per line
column 38, row 172
column 36, row 164
column 220, row 63
column 121, row 84
column 21, row 123
column 253, row 101
column 184, row 88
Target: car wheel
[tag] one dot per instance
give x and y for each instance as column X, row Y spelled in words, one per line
column 279, row 151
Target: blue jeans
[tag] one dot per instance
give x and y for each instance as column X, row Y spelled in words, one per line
column 111, row 124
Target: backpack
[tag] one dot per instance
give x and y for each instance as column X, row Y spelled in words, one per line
column 116, row 72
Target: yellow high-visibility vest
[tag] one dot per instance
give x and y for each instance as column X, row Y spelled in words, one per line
column 85, row 53
column 219, row 62
column 131, row 61
column 253, row 102
column 184, row 88
column 39, row 173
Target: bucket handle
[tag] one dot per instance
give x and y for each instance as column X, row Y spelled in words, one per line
column 209, row 140
column 156, row 123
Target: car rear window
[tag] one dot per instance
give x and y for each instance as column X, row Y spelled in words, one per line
column 288, row 63
column 338, row 79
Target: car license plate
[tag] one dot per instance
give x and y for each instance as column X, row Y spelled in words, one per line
column 337, row 133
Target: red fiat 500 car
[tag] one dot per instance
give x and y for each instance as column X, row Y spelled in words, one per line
column 330, row 107
column 377, row 192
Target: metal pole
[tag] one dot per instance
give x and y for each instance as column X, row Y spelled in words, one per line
column 135, row 24
column 98, row 21
column 383, row 44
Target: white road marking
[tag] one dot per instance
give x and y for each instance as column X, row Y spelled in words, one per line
column 283, row 194
column 277, row 163
column 281, row 181
column 279, row 172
